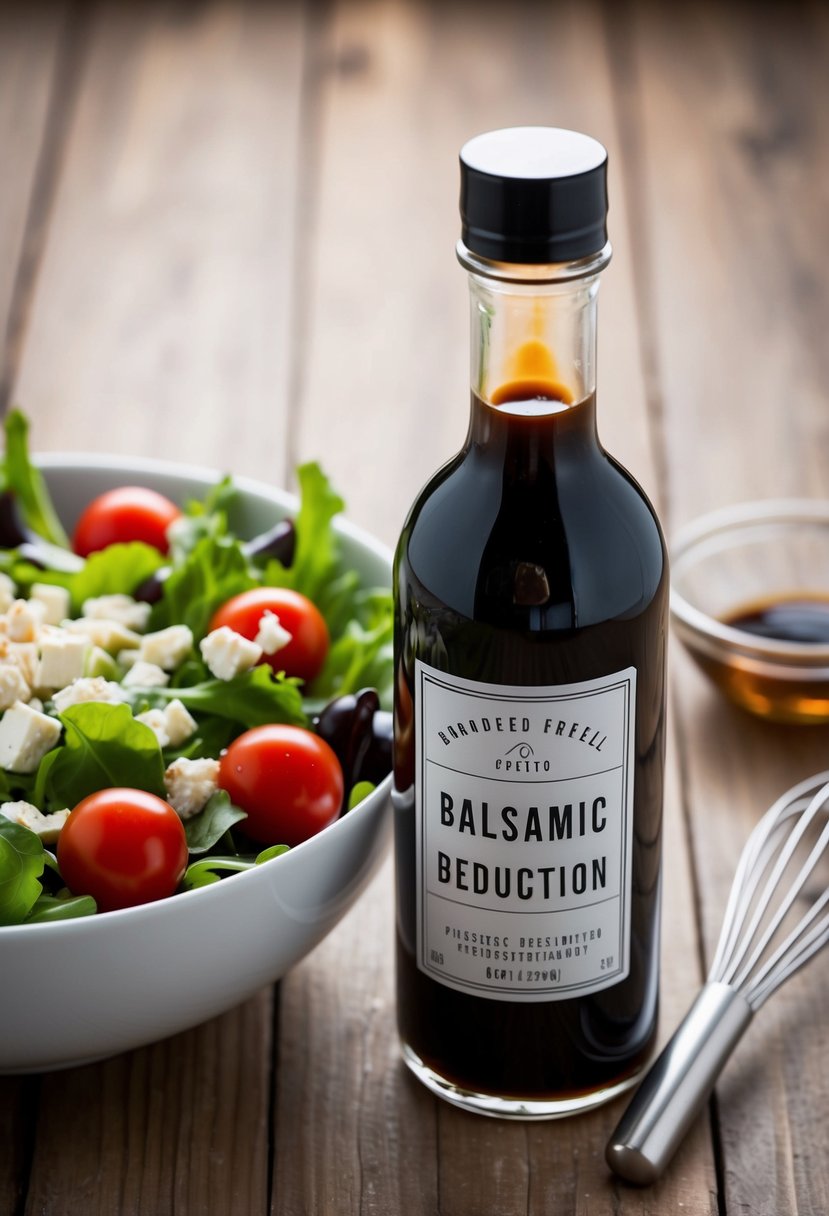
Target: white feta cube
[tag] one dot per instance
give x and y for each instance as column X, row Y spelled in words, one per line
column 8, row 592
column 167, row 648
column 62, row 659
column 144, row 675
column 23, row 620
column 121, row 608
column 180, row 724
column 55, row 601
column 111, row 636
column 47, row 827
column 91, row 688
column 190, row 783
column 271, row 635
column 227, row 653
column 155, row 719
column 12, row 686
column 26, row 735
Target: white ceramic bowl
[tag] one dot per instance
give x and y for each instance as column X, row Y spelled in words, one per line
column 79, row 990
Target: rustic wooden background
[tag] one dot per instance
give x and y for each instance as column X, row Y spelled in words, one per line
column 226, row 236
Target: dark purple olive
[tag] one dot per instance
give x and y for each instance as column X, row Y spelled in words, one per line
column 377, row 762
column 278, row 542
column 151, row 590
column 359, row 733
column 12, row 530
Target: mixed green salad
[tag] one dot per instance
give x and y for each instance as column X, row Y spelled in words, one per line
column 177, row 703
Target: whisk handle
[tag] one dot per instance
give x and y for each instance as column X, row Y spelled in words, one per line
column 675, row 1088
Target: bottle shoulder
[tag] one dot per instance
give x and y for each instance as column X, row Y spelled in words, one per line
column 585, row 527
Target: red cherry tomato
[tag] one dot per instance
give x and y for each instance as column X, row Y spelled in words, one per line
column 287, row 779
column 125, row 514
column 305, row 654
column 122, row 847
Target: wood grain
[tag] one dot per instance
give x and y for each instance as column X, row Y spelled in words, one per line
column 162, row 321
column 384, row 399
column 738, row 301
column 37, row 77
column 178, row 1127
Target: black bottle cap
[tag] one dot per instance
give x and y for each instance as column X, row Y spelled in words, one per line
column 534, row 194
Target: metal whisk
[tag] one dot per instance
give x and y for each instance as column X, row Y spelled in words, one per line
column 761, row 945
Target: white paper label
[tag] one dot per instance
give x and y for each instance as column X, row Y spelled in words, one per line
column 524, row 813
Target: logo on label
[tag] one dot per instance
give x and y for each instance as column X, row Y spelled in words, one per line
column 524, row 802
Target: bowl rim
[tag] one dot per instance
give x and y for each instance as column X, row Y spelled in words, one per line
column 79, row 461
column 715, row 636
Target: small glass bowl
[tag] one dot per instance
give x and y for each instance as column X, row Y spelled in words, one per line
column 742, row 562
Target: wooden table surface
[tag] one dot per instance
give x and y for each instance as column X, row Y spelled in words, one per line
column 226, row 236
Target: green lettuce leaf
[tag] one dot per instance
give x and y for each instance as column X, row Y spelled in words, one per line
column 207, row 828
column 104, row 747
column 251, row 699
column 28, row 484
column 362, row 657
column 118, row 569
column 215, row 570
column 51, row 907
column 21, row 865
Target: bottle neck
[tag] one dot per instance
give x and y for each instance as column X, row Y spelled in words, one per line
column 533, row 345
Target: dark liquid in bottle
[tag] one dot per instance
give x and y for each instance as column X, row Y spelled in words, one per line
column 532, row 558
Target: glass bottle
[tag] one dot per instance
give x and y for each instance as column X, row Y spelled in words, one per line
column 530, row 634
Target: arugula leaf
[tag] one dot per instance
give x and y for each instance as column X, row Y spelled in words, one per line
column 212, row 573
column 361, row 658
column 118, row 569
column 251, row 699
column 200, row 519
column 207, row 828
column 360, row 791
column 51, row 907
column 210, row 869
column 104, row 747
column 316, row 563
column 21, row 865
column 213, row 734
column 28, row 484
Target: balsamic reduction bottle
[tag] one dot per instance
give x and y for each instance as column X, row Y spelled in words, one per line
column 531, row 594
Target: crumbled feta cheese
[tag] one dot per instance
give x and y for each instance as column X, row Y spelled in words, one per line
column 170, row 725
column 62, row 659
column 144, row 675
column 47, row 827
column 26, row 735
column 23, row 620
column 111, row 636
column 271, row 636
column 121, row 608
column 155, row 719
column 36, row 703
column 24, row 656
column 227, row 653
column 180, row 724
column 128, row 658
column 55, row 601
column 8, row 592
column 190, row 783
column 91, row 688
column 12, row 686
column 168, row 647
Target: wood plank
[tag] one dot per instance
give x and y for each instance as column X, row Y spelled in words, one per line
column 161, row 325
column 734, row 205
column 384, row 402
column 180, row 1126
column 35, row 98
column 37, row 80
column 162, row 320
